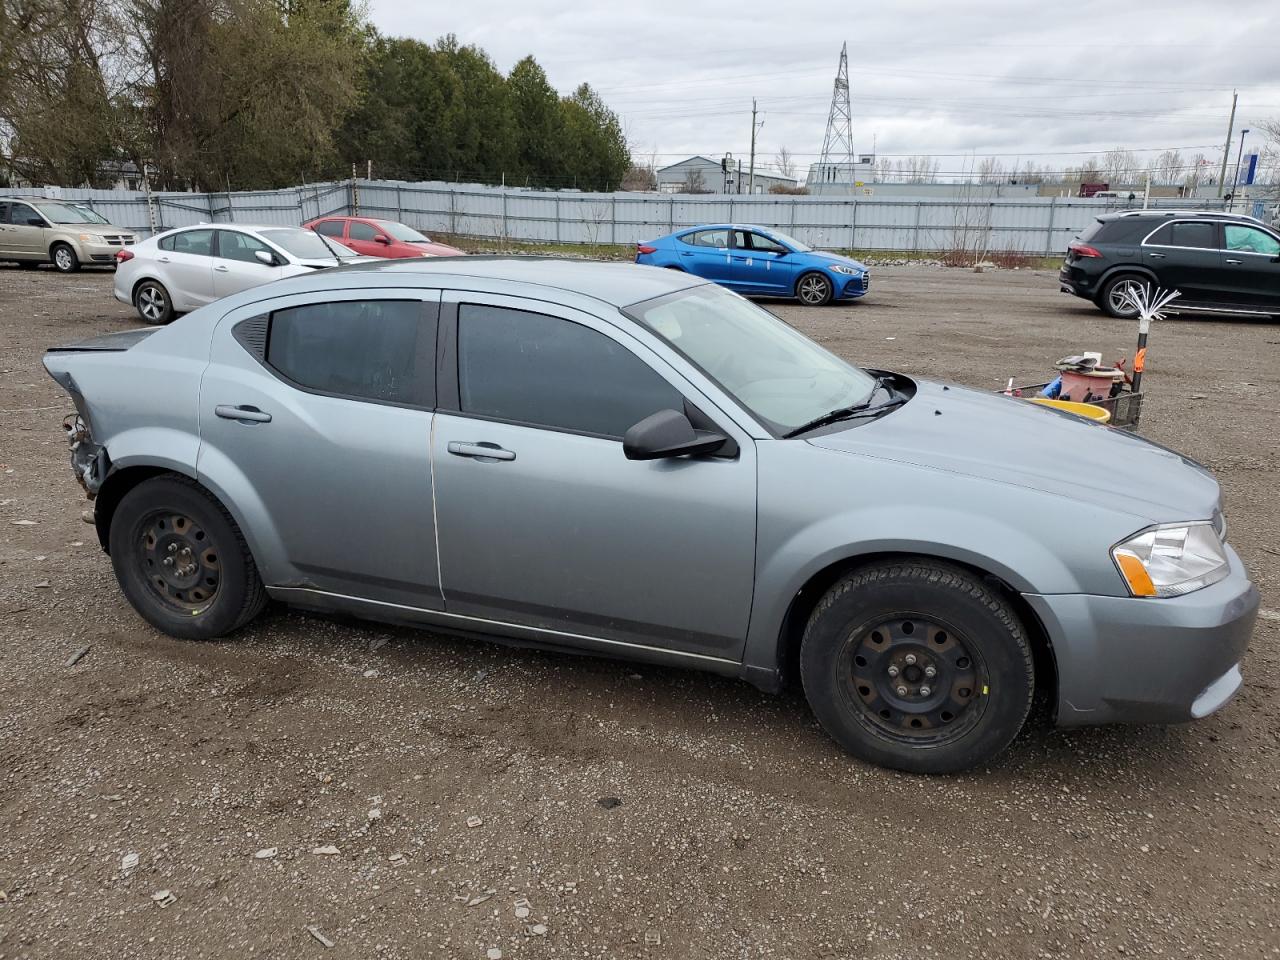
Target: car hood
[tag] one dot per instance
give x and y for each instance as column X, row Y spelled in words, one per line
column 959, row 430
column 821, row 256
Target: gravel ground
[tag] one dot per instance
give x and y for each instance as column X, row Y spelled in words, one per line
column 640, row 812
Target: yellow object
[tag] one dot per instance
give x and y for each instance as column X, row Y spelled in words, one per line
column 1135, row 574
column 1090, row 411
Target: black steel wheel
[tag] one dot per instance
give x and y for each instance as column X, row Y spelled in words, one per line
column 181, row 561
column 917, row 665
column 814, row 290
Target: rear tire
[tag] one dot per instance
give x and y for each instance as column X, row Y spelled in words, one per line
column 1111, row 300
column 181, row 561
column 64, row 258
column 917, row 665
column 153, row 303
column 814, row 290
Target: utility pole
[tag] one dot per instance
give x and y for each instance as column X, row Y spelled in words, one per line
column 751, row 169
column 1226, row 147
column 1235, row 181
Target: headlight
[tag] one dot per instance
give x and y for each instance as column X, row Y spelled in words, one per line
column 847, row 271
column 1171, row 560
column 92, row 238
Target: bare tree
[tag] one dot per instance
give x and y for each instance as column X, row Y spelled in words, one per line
column 785, row 163
column 694, row 182
column 1169, row 166
column 921, row 169
column 1119, row 166
column 1196, row 172
column 882, row 170
column 990, row 170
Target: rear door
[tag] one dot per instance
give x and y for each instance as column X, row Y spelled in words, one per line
column 27, row 231
column 186, row 267
column 315, row 419
column 544, row 523
column 236, row 265
column 1251, row 266
column 1184, row 256
column 706, row 253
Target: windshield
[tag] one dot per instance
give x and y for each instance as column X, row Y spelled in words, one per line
column 302, row 244
column 791, row 242
column 400, row 232
column 340, row 250
column 68, row 213
column 781, row 376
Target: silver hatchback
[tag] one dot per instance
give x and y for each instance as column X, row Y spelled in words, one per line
column 624, row 460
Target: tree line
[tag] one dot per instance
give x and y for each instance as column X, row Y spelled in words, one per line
column 256, row 94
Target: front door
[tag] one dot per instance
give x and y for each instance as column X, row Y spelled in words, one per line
column 362, row 237
column 236, row 265
column 544, row 523
column 1251, row 266
column 1184, row 256
column 318, row 417
column 27, row 232
column 762, row 263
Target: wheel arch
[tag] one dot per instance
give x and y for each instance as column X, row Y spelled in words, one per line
column 120, row 481
column 1120, row 268
column 802, row 604
column 810, row 272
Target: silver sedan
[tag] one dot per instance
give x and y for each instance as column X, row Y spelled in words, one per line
column 180, row 270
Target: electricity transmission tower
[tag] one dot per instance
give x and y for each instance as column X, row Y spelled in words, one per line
column 837, row 145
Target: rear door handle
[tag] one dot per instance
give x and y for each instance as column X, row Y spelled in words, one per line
column 1236, row 262
column 163, row 259
column 480, row 451
column 686, row 253
column 243, row 413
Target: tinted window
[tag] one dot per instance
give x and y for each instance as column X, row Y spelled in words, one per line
column 361, row 231
column 1203, row 236
column 536, row 369
column 196, row 242
column 374, row 349
column 330, row 228
column 20, row 214
column 1251, row 240
column 240, row 246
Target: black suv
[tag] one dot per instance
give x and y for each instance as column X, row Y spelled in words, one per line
column 1221, row 262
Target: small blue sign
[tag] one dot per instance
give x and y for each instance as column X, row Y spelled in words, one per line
column 1249, row 171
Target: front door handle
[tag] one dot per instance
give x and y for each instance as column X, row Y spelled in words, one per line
column 163, row 259
column 221, row 269
column 1236, row 262
column 480, row 451
column 243, row 413
column 1156, row 256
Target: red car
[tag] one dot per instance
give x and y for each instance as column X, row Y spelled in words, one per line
column 380, row 238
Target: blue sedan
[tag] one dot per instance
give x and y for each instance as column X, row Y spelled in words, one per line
column 758, row 261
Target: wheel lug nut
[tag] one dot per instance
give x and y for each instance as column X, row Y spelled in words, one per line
column 910, row 658
column 902, row 691
column 173, row 548
column 930, row 671
column 168, row 561
column 892, row 671
column 925, row 691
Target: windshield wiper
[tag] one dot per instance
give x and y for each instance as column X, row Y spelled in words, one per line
column 857, row 410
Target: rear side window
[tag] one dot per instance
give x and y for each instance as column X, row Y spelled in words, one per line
column 540, row 370
column 330, row 228
column 362, row 231
column 196, row 242
column 381, row 350
column 1199, row 236
column 707, row 238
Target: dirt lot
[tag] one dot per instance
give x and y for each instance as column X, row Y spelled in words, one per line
column 742, row 831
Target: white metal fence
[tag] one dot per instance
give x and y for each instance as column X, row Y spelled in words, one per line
column 1034, row 225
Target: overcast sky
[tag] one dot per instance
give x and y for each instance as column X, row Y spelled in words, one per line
column 947, row 79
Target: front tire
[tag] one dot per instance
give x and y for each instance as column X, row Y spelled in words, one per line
column 181, row 561
column 814, row 290
column 1111, row 299
column 64, row 258
column 917, row 665
column 153, row 303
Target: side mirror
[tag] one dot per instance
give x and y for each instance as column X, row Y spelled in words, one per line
column 36, row 222
column 265, row 257
column 382, row 238
column 668, row 433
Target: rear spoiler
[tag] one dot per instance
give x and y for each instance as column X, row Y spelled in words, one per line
column 107, row 342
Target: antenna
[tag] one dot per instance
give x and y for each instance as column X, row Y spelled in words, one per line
column 837, row 145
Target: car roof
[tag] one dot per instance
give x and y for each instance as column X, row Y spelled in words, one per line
column 615, row 283
column 727, row 226
column 1166, row 214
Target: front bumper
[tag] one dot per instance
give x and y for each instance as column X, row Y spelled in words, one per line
column 1128, row 660
column 850, row 288
column 103, row 253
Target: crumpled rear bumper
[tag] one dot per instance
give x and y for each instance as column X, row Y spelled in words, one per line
column 1128, row 660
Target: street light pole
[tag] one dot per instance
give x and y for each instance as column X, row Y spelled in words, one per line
column 1236, row 180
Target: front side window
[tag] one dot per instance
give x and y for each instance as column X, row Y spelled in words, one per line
column 760, row 242
column 1242, row 239
column 195, row 242
column 234, row 245
column 380, row 350
column 330, row 228
column 361, row 231
column 778, row 374
column 545, row 371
